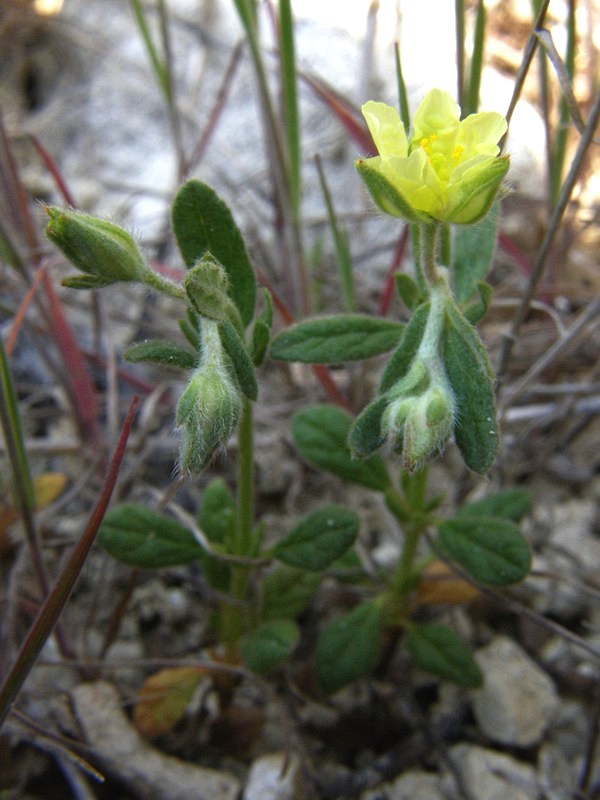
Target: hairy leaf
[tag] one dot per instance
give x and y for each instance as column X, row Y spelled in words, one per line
column 491, row 550
column 136, row 535
column 319, row 539
column 335, row 340
column 348, row 647
column 438, row 650
column 203, row 223
column 320, row 434
column 269, row 644
column 161, row 352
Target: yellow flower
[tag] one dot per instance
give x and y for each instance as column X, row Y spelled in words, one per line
column 450, row 169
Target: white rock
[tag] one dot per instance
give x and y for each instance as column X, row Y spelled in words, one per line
column 275, row 776
column 494, row 776
column 415, row 785
column 518, row 700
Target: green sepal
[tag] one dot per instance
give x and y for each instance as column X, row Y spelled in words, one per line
column 136, row 535
column 321, row 435
column 287, row 591
column 408, row 290
column 268, row 645
column 202, row 222
column 348, row 647
column 161, row 352
column 319, row 539
column 472, row 253
column 511, row 504
column 478, row 308
column 438, row 650
column 240, row 359
column 385, row 195
column 85, row 282
column 336, row 340
column 402, row 357
column 470, row 376
column 366, row 436
column 491, row 549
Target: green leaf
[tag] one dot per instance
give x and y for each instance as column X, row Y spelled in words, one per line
column 490, row 549
column 439, row 651
column 403, row 355
column 269, row 645
column 161, row 352
column 511, row 504
column 261, row 332
column 478, row 308
column 287, row 591
column 408, row 290
column 202, row 222
column 470, row 375
column 240, row 359
column 216, row 514
column 136, row 535
column 335, row 340
column 348, row 647
column 320, row 434
column 319, row 539
column 85, row 282
column 473, row 250
column 216, row 519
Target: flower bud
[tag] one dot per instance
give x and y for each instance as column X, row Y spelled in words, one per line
column 419, row 426
column 102, row 250
column 209, row 408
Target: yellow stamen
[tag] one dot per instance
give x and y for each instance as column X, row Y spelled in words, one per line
column 457, row 152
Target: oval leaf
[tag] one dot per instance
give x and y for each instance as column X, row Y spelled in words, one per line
column 287, row 591
column 348, row 647
column 269, row 645
column 158, row 352
column 203, row 223
column 439, row 651
column 319, row 539
column 491, row 550
column 140, row 537
column 320, row 434
column 471, row 379
column 472, row 253
column 512, row 504
column 335, row 340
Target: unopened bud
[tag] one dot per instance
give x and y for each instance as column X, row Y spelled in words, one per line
column 102, row 250
column 209, row 408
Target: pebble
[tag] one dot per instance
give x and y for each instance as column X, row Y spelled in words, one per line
column 275, row 776
column 518, row 699
column 412, row 785
column 493, row 776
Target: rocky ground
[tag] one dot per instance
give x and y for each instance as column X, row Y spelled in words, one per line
column 81, row 83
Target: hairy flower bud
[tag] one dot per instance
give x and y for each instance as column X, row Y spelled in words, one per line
column 105, row 252
column 209, row 408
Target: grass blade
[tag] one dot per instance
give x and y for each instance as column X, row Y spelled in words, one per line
column 287, row 56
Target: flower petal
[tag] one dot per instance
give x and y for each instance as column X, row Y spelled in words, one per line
column 437, row 114
column 480, row 133
column 386, row 128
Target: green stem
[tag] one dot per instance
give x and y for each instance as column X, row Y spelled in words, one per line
column 162, row 284
column 429, row 244
column 232, row 614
